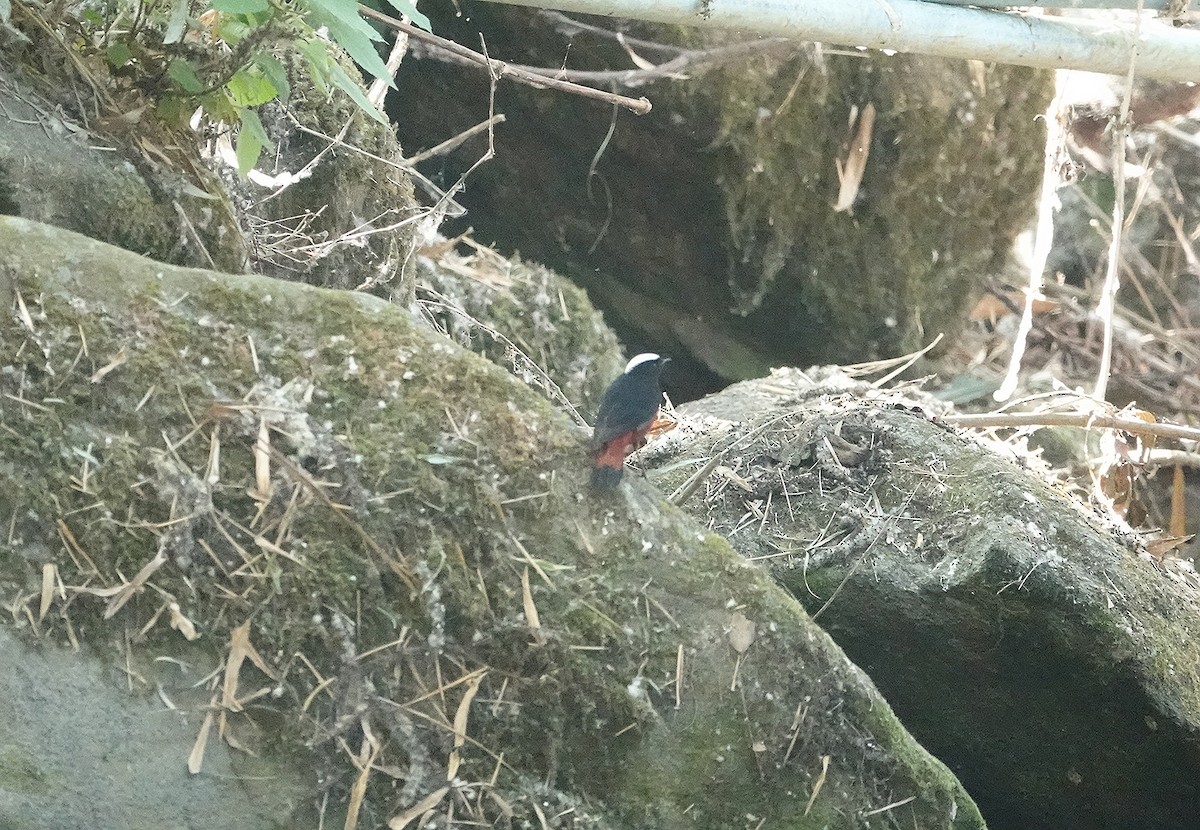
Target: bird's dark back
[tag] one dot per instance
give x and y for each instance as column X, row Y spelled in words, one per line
column 630, row 403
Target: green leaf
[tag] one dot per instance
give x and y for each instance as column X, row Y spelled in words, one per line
column 348, row 31
column 183, row 73
column 327, row 70
column 233, row 30
column 339, row 78
column 241, row 6
column 410, row 9
column 251, row 140
column 317, row 52
column 273, row 70
column 117, row 54
column 175, row 109
column 248, row 88
column 219, row 107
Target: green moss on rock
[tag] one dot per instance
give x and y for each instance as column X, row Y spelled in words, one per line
column 382, row 513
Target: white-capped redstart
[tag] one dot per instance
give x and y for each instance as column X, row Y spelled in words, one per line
column 627, row 412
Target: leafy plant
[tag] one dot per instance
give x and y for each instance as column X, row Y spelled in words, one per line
column 224, row 61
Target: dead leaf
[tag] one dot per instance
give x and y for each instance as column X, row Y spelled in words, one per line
column 992, row 308
column 1161, row 546
column 23, row 313
column 531, row 612
column 662, row 425
column 126, row 591
column 734, row 479
column 196, row 756
column 49, row 572
column 638, row 60
column 358, row 790
column 460, row 722
column 819, row 783
column 262, row 463
column 850, row 174
column 741, row 632
column 240, row 648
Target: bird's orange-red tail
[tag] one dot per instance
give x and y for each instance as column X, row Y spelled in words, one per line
column 610, row 463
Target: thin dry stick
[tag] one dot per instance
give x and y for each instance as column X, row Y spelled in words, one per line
column 908, row 361
column 500, row 69
column 569, row 26
column 454, row 141
column 1108, row 295
column 379, row 87
column 1083, row 420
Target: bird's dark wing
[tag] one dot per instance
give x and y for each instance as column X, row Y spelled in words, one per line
column 625, row 407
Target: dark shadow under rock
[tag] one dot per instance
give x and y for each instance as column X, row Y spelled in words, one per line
column 706, row 229
column 1036, row 652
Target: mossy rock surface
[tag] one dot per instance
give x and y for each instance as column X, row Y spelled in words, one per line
column 525, row 317
column 1022, row 638
column 56, row 171
column 388, row 541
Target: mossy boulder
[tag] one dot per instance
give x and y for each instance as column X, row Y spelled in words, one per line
column 523, row 316
column 386, row 543
column 1052, row 664
column 55, row 170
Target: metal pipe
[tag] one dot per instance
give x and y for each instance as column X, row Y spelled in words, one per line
column 1164, row 53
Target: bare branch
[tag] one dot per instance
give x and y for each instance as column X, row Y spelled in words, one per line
column 500, row 69
column 693, row 61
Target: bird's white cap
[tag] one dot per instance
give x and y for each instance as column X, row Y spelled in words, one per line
column 638, row 360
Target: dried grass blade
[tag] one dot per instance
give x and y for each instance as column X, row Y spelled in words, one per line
column 49, row 573
column 531, row 612
column 461, row 716
column 134, row 585
column 402, row 820
column 240, row 648
column 262, row 463
column 196, row 757
column 817, row 786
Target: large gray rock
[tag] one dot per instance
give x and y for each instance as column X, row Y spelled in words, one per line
column 402, row 532
column 55, row 170
column 1055, row 669
column 525, row 317
column 80, row 751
